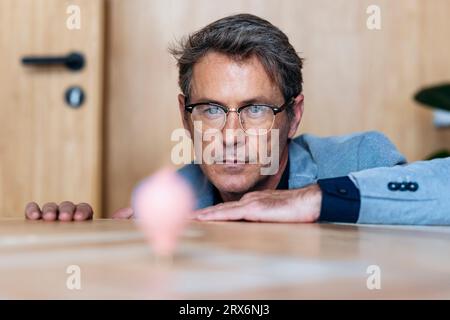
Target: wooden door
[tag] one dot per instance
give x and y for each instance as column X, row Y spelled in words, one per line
column 49, row 151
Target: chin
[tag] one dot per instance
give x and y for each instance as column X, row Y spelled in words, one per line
column 235, row 178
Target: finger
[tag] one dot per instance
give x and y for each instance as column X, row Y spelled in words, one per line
column 124, row 213
column 83, row 211
column 50, row 211
column 218, row 207
column 229, row 215
column 66, row 211
column 32, row 211
column 225, row 213
column 250, row 210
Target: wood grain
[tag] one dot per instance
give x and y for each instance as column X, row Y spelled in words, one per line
column 48, row 151
column 229, row 260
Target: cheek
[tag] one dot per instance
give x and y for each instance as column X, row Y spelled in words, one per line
column 275, row 140
column 282, row 124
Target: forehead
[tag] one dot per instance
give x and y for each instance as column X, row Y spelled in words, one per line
column 223, row 78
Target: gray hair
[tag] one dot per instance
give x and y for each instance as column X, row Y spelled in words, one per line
column 240, row 37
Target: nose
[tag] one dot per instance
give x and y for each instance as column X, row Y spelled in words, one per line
column 232, row 130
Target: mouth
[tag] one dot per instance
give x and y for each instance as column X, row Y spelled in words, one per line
column 233, row 167
column 235, row 161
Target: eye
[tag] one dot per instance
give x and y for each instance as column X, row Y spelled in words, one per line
column 209, row 111
column 255, row 109
column 212, row 110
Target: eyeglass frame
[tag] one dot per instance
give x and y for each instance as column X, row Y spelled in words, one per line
column 275, row 109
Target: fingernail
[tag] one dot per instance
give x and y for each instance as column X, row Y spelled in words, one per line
column 78, row 216
column 64, row 216
column 49, row 216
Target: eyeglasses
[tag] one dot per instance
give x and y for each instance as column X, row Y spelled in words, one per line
column 253, row 118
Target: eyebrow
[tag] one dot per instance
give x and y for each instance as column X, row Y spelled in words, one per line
column 257, row 99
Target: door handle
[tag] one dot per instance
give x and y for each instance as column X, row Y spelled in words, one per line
column 73, row 61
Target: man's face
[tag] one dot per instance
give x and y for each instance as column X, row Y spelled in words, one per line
column 218, row 78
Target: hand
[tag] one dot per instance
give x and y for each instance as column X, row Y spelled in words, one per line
column 299, row 205
column 124, row 213
column 66, row 211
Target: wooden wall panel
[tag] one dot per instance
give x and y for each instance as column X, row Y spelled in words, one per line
column 355, row 79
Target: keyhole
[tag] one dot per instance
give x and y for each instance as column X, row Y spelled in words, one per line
column 74, row 97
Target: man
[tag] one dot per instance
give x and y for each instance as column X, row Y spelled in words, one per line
column 241, row 75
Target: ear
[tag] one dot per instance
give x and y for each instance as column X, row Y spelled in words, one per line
column 297, row 110
column 184, row 114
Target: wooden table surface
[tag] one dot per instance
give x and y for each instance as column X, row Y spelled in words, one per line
column 224, row 260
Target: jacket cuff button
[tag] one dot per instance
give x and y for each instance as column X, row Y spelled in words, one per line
column 404, row 186
column 413, row 186
column 393, row 186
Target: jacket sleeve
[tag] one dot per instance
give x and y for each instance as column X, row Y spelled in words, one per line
column 413, row 194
